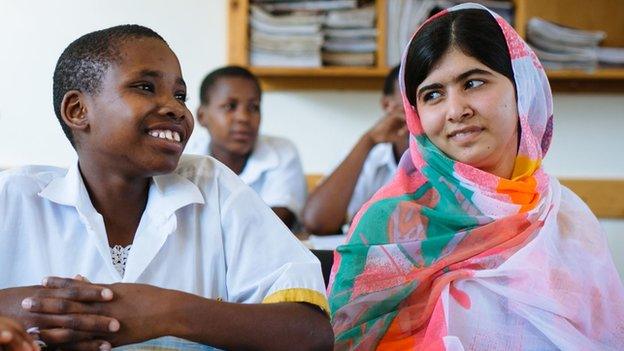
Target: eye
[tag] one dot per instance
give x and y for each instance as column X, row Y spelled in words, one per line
column 431, row 95
column 145, row 86
column 230, row 106
column 253, row 107
column 473, row 83
column 181, row 96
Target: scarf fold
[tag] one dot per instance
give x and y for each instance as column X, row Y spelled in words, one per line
column 448, row 257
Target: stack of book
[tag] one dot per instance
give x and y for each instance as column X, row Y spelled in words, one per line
column 405, row 16
column 350, row 37
column 561, row 47
column 286, row 40
column 310, row 33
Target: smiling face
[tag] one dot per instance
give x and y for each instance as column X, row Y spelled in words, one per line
column 469, row 112
column 232, row 115
column 138, row 121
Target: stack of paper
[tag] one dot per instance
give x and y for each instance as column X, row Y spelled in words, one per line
column 350, row 37
column 288, row 40
column 561, row 47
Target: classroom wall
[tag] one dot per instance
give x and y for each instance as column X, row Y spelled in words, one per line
column 588, row 138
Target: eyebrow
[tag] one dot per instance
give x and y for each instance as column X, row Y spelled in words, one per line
column 459, row 78
column 158, row 74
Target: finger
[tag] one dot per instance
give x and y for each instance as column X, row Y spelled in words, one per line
column 57, row 306
column 5, row 337
column 81, row 278
column 80, row 322
column 75, row 290
column 95, row 345
column 60, row 336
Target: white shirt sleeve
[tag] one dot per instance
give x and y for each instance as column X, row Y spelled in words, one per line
column 265, row 262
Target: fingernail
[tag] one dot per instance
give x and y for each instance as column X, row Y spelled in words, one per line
column 107, row 294
column 105, row 347
column 27, row 303
column 113, row 326
column 6, row 335
column 44, row 282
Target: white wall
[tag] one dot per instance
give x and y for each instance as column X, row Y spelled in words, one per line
column 588, row 139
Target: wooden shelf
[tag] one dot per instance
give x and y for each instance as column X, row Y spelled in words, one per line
column 607, row 15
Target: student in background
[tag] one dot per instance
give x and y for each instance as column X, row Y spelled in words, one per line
column 370, row 165
column 159, row 244
column 230, row 112
column 14, row 338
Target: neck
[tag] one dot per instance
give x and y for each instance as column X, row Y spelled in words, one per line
column 235, row 162
column 119, row 198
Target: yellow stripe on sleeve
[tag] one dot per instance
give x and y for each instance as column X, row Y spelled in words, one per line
column 299, row 295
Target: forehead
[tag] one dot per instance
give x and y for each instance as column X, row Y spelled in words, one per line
column 146, row 54
column 234, row 87
column 453, row 63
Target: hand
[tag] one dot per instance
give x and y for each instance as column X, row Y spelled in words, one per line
column 140, row 309
column 391, row 128
column 64, row 313
column 14, row 338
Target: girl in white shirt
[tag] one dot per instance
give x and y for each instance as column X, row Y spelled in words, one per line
column 208, row 262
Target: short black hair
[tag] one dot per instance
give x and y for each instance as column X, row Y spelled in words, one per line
column 84, row 62
column 475, row 32
column 225, row 72
column 390, row 80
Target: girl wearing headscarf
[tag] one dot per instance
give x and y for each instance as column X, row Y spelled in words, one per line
column 473, row 246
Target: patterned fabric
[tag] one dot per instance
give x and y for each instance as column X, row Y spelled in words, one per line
column 119, row 255
column 448, row 257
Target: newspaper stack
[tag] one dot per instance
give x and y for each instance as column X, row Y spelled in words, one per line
column 350, row 37
column 287, row 40
column 564, row 48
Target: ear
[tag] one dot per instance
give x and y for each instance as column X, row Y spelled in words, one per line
column 74, row 111
column 386, row 103
column 202, row 115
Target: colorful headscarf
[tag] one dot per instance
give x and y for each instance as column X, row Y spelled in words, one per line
column 449, row 257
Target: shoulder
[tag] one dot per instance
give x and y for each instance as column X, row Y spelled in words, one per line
column 574, row 212
column 208, row 173
column 27, row 180
column 278, row 145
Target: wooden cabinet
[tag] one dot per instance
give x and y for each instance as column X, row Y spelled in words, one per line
column 606, row 15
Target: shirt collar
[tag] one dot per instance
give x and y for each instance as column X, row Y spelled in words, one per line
column 167, row 193
column 263, row 158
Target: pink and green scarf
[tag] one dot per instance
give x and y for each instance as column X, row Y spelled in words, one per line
column 448, row 257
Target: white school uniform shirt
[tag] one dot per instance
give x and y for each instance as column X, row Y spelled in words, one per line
column 203, row 232
column 273, row 170
column 379, row 168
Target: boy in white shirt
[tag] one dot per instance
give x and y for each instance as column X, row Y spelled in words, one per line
column 174, row 246
column 370, row 164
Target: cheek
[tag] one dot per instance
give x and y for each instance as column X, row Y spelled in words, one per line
column 432, row 122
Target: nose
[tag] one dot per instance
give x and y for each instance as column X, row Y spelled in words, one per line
column 242, row 115
column 173, row 108
column 458, row 107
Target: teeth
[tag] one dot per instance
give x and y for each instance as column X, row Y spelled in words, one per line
column 165, row 134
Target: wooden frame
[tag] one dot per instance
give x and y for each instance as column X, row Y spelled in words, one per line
column 358, row 78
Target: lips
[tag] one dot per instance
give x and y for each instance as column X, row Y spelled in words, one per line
column 168, row 132
column 242, row 135
column 465, row 134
